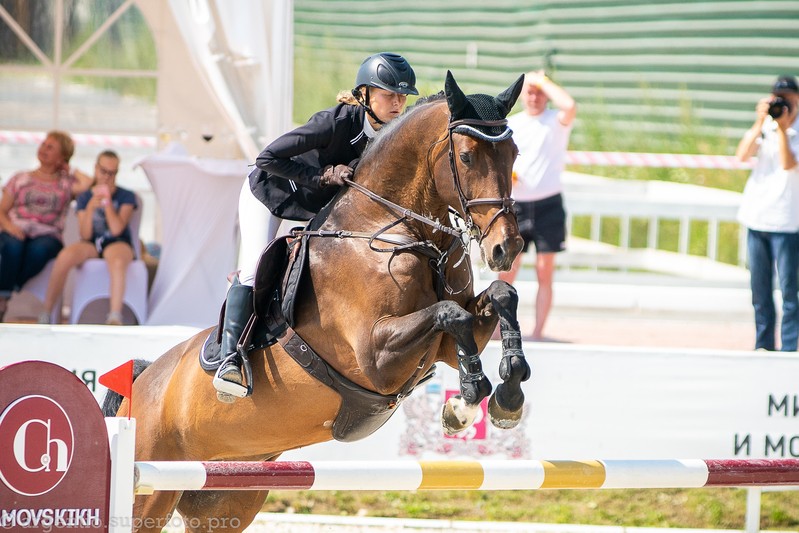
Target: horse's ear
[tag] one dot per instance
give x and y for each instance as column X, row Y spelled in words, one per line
column 456, row 100
column 508, row 97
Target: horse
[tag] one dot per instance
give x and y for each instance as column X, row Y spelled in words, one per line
column 388, row 292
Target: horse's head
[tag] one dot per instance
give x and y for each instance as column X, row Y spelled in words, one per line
column 481, row 153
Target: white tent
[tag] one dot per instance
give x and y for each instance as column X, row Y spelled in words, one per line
column 224, row 67
column 223, row 90
column 242, row 56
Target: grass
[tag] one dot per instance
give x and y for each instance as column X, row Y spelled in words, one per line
column 719, row 508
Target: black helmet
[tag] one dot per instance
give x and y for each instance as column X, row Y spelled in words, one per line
column 387, row 71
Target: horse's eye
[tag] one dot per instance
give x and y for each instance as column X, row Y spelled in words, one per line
column 466, row 157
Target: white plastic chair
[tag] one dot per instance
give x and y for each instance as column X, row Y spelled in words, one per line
column 92, row 281
column 37, row 285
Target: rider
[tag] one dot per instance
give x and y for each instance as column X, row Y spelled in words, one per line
column 301, row 171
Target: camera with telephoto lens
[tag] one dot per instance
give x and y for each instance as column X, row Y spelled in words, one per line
column 778, row 106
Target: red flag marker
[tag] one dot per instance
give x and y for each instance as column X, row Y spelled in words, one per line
column 120, row 380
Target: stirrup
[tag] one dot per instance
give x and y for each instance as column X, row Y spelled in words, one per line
column 227, row 389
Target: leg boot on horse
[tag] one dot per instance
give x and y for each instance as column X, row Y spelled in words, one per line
column 505, row 405
column 500, row 301
column 229, row 381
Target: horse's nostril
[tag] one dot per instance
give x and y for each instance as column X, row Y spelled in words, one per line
column 498, row 253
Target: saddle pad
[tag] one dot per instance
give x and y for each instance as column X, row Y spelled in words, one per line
column 210, row 353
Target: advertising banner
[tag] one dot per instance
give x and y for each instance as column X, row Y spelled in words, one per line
column 582, row 402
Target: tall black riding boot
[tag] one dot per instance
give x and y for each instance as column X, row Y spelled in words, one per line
column 228, row 381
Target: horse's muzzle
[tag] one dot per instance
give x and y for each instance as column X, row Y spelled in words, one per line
column 500, row 255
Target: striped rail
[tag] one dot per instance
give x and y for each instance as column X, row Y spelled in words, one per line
column 463, row 475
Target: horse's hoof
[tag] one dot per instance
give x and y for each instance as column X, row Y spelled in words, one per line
column 457, row 415
column 501, row 418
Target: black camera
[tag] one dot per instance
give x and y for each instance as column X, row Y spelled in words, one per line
column 778, row 106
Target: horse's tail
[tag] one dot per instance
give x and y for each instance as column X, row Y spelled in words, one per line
column 113, row 399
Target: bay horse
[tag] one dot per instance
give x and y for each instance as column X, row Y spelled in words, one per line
column 379, row 310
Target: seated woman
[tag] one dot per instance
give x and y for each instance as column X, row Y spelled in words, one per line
column 103, row 215
column 32, row 213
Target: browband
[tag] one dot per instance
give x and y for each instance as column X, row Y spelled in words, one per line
column 466, row 127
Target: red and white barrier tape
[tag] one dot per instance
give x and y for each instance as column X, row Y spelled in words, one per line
column 622, row 159
column 640, row 159
column 102, row 141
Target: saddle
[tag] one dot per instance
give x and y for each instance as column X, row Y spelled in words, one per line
column 280, row 271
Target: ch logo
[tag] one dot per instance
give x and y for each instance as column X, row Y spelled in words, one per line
column 39, row 435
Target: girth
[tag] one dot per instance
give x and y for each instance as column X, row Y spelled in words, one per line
column 362, row 411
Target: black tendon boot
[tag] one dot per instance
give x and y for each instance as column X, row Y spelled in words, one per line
column 228, row 381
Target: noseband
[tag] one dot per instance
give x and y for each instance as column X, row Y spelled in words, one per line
column 466, row 127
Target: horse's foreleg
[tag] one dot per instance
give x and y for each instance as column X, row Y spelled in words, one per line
column 506, row 404
column 460, row 411
column 395, row 338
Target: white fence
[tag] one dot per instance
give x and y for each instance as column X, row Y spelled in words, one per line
column 655, row 202
column 592, row 274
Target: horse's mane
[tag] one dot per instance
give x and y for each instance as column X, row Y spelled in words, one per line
column 386, row 132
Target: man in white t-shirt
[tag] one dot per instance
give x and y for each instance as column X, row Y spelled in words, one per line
column 542, row 135
column 770, row 211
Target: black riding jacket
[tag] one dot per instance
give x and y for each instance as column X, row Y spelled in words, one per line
column 287, row 173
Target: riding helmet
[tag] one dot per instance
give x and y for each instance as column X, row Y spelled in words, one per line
column 387, row 71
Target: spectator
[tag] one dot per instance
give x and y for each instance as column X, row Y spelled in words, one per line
column 542, row 135
column 32, row 212
column 770, row 211
column 300, row 172
column 103, row 215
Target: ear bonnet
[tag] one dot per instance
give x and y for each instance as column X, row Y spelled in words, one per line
column 483, row 116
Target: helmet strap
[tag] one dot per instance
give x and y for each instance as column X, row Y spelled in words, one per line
column 365, row 103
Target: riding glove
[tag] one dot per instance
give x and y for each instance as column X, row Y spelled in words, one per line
column 335, row 175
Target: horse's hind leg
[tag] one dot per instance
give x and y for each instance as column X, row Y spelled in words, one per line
column 220, row 511
column 506, row 404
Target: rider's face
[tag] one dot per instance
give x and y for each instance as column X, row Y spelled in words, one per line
column 385, row 104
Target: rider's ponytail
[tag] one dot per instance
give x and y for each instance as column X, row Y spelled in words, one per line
column 347, row 97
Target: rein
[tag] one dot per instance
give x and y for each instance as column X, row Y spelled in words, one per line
column 437, row 257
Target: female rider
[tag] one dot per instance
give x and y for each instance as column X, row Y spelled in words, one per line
column 301, row 171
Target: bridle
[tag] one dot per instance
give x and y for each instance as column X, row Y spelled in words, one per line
column 466, row 127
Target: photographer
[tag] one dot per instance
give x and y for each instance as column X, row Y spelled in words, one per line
column 770, row 211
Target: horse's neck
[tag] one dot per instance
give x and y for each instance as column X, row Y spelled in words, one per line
column 402, row 173
column 411, row 189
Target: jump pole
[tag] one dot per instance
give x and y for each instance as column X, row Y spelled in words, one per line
column 150, row 476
